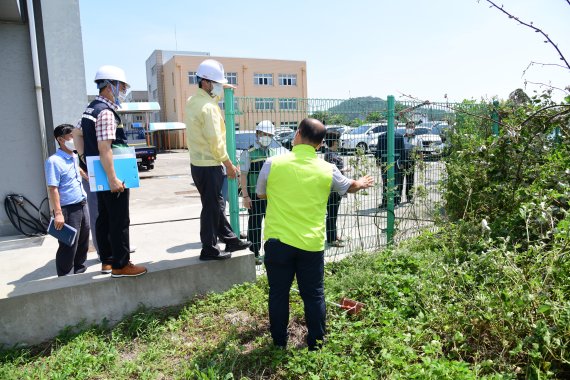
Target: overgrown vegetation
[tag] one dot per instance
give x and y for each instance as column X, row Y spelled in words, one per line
column 486, row 296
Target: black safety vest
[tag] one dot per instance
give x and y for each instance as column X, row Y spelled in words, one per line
column 90, row 147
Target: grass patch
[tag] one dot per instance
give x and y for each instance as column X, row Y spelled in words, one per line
column 431, row 312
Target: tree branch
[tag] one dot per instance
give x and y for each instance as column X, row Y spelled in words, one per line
column 544, row 109
column 537, row 30
column 532, row 63
column 567, row 91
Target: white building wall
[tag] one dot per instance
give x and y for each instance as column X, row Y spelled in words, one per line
column 63, row 87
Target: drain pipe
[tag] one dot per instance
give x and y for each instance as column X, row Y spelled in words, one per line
column 37, row 78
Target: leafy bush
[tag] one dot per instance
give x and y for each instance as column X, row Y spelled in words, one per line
column 519, row 181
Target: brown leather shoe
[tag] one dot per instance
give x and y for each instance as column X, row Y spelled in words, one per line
column 106, row 268
column 129, row 270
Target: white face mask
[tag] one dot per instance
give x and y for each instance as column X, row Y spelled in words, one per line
column 217, row 89
column 264, row 141
column 69, row 145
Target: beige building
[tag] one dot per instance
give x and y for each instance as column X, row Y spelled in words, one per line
column 273, row 88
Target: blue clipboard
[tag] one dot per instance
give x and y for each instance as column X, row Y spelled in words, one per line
column 126, row 169
column 66, row 235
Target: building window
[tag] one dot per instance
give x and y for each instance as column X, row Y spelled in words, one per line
column 263, row 79
column 232, row 78
column 264, row 103
column 287, row 79
column 289, row 124
column 288, row 104
column 192, row 77
column 138, row 118
column 222, row 105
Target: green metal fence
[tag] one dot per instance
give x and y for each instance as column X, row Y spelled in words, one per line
column 407, row 163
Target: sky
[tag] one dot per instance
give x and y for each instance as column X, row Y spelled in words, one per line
column 406, row 48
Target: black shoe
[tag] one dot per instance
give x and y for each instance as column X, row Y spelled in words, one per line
column 383, row 206
column 237, row 246
column 221, row 256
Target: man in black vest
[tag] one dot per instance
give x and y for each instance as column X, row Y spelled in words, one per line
column 382, row 160
column 99, row 130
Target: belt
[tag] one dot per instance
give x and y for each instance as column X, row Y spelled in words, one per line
column 81, row 203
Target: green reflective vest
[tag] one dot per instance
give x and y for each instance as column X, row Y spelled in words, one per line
column 298, row 187
column 257, row 158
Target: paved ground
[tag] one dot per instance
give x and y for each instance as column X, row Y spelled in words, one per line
column 164, row 227
column 165, row 214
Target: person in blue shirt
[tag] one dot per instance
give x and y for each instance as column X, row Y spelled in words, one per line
column 63, row 178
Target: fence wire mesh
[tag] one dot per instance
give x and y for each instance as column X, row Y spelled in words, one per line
column 358, row 222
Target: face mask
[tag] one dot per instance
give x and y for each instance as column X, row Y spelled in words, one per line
column 123, row 96
column 217, row 89
column 410, row 131
column 120, row 96
column 264, row 141
column 69, row 145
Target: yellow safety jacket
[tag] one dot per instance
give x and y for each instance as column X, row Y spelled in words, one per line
column 298, row 187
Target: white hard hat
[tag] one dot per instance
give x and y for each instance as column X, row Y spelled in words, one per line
column 266, row 126
column 109, row 72
column 212, row 70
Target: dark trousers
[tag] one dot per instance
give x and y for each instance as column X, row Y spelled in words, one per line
column 409, row 173
column 68, row 258
column 256, row 215
column 398, row 180
column 93, row 211
column 112, row 228
column 283, row 262
column 333, row 205
column 213, row 222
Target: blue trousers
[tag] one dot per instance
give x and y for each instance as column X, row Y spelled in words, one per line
column 283, row 263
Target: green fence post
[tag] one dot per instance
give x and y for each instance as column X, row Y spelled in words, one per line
column 495, row 117
column 390, row 159
column 231, row 146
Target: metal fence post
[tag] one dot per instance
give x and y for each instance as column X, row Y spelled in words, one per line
column 495, row 117
column 390, row 159
column 231, row 147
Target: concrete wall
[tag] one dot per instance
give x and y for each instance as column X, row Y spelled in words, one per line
column 21, row 166
column 40, row 310
column 63, row 87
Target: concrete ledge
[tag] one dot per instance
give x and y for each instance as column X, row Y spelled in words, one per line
column 39, row 310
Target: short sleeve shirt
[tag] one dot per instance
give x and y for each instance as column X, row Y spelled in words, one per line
column 340, row 183
column 62, row 171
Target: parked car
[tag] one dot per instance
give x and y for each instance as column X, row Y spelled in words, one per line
column 374, row 145
column 361, row 137
column 428, row 143
column 440, row 128
column 337, row 128
column 280, row 133
column 287, row 141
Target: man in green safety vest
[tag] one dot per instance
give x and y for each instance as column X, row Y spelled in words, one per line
column 251, row 161
column 297, row 187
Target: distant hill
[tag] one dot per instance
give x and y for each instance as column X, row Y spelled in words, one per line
column 359, row 107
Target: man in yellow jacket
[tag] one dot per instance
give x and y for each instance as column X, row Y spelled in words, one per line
column 297, row 186
column 206, row 138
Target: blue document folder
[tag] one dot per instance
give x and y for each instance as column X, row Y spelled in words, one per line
column 66, row 235
column 126, row 169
